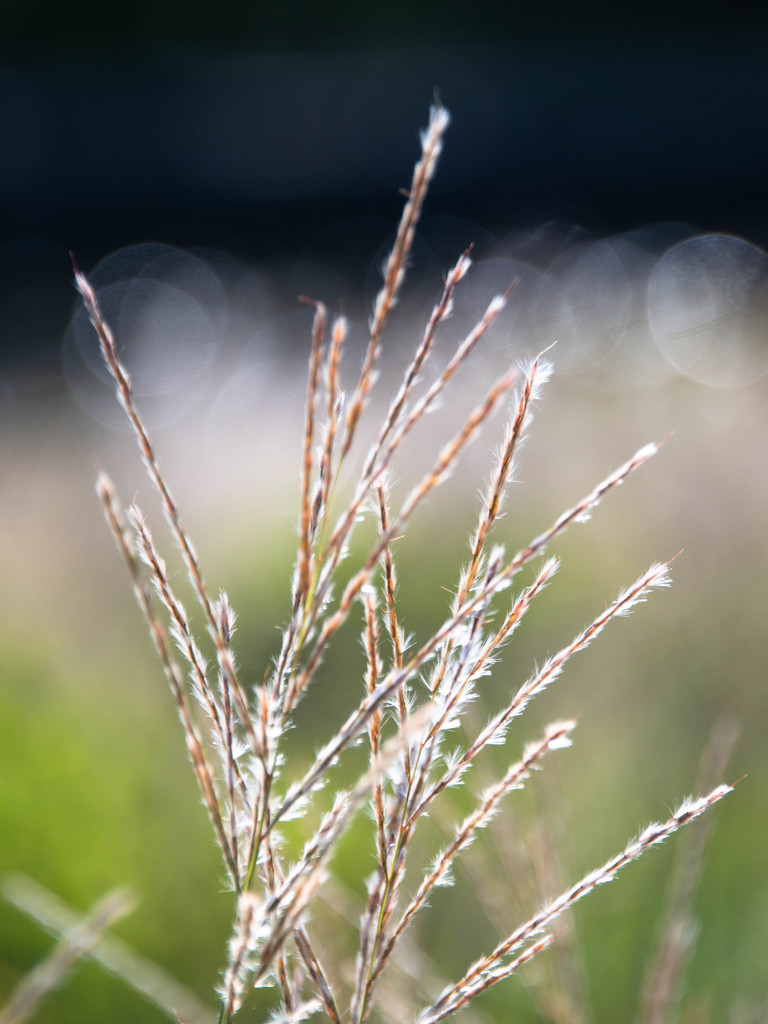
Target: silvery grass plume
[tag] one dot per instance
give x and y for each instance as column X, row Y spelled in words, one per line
column 414, row 694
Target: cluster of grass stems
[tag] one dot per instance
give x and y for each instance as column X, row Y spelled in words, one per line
column 414, row 696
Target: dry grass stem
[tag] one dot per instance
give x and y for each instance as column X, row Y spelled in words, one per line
column 145, row 977
column 677, row 927
column 76, row 943
column 394, row 271
column 484, row 968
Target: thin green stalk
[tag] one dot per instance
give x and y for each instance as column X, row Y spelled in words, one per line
column 366, row 997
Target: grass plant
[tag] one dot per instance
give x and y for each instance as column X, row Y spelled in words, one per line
column 415, row 693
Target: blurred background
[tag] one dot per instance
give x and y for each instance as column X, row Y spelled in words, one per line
column 209, row 163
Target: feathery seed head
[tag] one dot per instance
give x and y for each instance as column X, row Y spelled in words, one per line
column 415, row 692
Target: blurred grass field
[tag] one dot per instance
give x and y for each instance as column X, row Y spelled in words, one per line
column 94, row 787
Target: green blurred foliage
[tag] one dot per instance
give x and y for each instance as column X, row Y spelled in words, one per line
column 95, row 791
